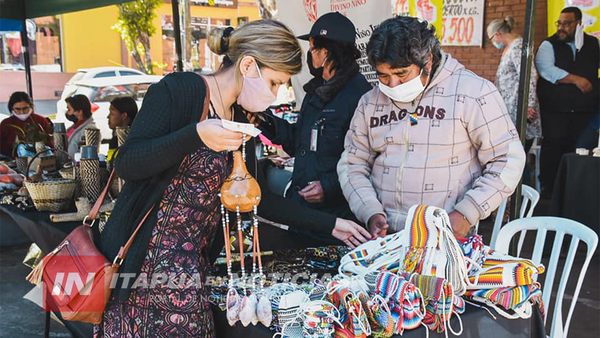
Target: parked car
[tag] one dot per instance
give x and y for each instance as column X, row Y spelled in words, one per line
column 11, row 67
column 101, row 91
column 92, row 73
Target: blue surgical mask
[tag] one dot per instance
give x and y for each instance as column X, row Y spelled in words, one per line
column 499, row 45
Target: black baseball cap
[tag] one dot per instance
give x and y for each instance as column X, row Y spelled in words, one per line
column 332, row 26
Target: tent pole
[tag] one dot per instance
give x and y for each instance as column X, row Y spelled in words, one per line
column 177, row 33
column 25, row 46
column 523, row 100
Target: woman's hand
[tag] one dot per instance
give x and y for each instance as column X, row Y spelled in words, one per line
column 350, row 233
column 532, row 114
column 217, row 138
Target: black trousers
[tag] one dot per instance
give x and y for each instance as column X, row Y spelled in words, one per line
column 560, row 132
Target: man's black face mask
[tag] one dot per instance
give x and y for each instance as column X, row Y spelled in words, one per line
column 71, row 117
column 316, row 72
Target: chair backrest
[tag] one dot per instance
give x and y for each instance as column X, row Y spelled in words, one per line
column 530, row 199
column 562, row 227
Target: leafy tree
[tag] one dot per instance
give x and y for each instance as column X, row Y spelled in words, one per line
column 136, row 27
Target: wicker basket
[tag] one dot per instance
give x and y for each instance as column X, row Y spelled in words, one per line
column 71, row 172
column 50, row 195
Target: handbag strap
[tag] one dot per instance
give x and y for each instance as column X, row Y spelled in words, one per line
column 125, row 248
column 96, row 208
column 206, row 101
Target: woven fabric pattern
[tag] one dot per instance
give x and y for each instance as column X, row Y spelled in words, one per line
column 90, row 179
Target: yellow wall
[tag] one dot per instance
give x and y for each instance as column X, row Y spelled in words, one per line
column 88, row 40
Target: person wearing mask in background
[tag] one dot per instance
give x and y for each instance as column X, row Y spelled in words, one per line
column 568, row 90
column 500, row 33
column 431, row 133
column 22, row 118
column 122, row 111
column 317, row 139
column 79, row 111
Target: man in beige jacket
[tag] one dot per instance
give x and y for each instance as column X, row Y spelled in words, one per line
column 432, row 133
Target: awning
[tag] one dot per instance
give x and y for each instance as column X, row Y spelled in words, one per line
column 11, row 9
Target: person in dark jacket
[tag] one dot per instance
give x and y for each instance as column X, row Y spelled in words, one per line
column 174, row 163
column 568, row 90
column 317, row 139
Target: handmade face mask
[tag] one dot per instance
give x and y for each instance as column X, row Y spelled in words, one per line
column 289, row 306
column 256, row 96
column 405, row 92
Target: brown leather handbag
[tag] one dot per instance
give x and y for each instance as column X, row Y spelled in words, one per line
column 76, row 275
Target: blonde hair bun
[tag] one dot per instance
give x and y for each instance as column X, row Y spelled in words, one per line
column 218, row 39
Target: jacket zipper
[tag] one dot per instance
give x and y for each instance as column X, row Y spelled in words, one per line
column 400, row 173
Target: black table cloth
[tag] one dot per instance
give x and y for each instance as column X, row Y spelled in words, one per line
column 476, row 321
column 38, row 227
column 46, row 235
column 576, row 193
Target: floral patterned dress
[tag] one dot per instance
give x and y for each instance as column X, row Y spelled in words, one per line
column 188, row 216
column 507, row 82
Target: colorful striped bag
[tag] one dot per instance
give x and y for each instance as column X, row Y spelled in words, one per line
column 440, row 301
column 433, row 249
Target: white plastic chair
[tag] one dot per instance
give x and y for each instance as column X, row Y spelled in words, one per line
column 530, row 199
column 562, row 227
column 536, row 150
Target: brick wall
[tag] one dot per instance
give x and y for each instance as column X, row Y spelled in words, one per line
column 484, row 60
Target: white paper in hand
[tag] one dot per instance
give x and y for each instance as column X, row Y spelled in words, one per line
column 246, row 128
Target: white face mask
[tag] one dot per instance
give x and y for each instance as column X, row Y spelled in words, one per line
column 23, row 117
column 405, row 92
column 579, row 37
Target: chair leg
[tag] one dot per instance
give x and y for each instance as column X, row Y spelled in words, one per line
column 47, row 328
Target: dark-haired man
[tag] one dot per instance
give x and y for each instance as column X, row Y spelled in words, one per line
column 122, row 111
column 432, row 133
column 568, row 90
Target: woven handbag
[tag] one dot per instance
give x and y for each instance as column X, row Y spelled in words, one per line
column 77, row 254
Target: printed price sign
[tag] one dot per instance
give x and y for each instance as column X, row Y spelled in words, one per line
column 462, row 23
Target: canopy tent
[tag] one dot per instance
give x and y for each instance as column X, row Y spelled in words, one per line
column 13, row 9
column 13, row 14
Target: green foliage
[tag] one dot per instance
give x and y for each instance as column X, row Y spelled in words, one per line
column 135, row 24
column 31, row 135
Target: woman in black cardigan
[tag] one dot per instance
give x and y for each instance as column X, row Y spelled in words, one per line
column 174, row 166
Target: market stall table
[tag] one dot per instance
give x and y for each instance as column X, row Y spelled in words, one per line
column 576, row 192
column 477, row 322
column 46, row 235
